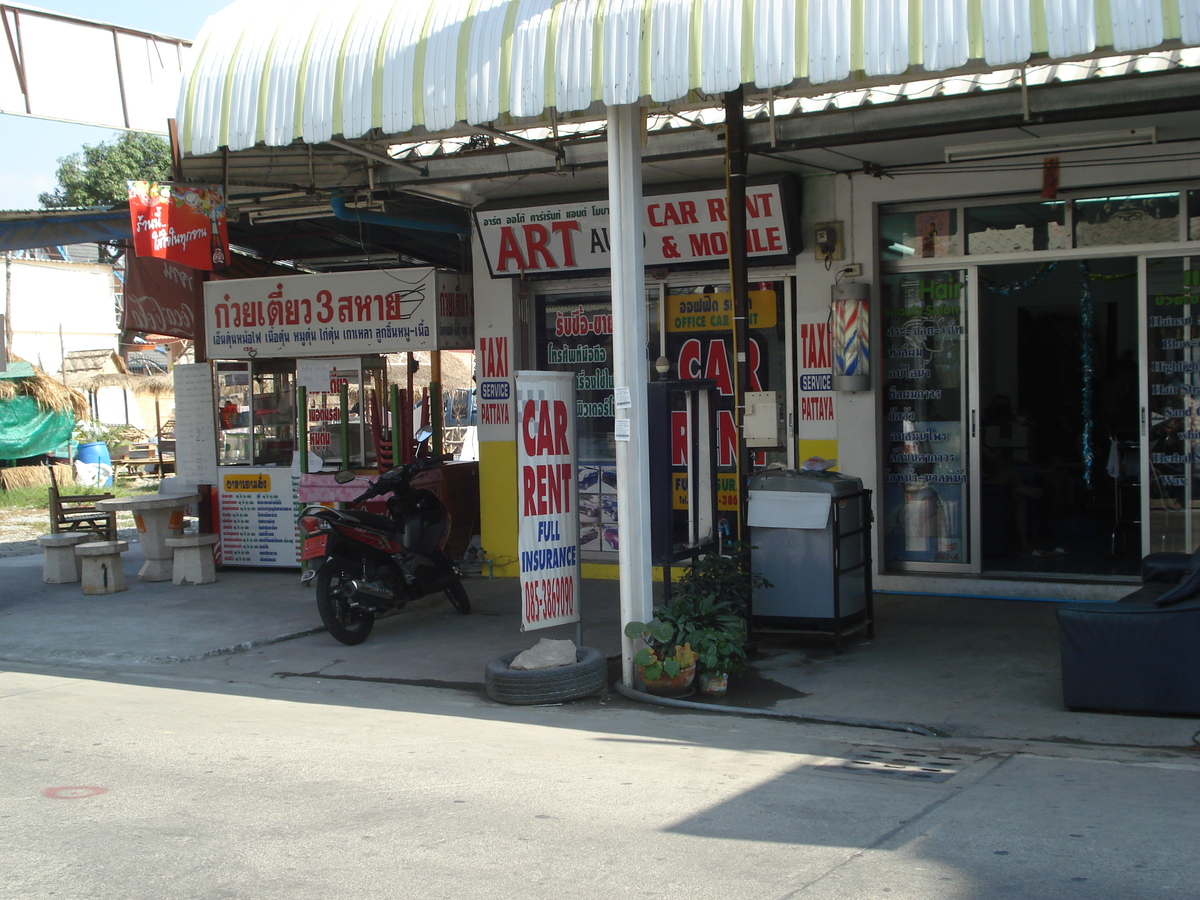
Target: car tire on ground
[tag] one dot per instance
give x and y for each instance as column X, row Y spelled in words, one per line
column 586, row 676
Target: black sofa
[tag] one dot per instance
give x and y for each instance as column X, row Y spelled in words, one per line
column 1141, row 654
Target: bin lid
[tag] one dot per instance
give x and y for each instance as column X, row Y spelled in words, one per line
column 834, row 483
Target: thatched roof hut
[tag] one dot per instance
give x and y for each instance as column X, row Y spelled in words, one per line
column 80, row 365
column 24, row 379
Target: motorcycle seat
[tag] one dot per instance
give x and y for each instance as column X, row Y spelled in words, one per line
column 371, row 520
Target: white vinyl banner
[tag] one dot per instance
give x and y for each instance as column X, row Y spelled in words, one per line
column 548, row 529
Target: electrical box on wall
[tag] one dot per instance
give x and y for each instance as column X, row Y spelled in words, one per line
column 827, row 241
column 761, row 421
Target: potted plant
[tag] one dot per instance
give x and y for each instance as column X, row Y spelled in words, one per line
column 720, row 653
column 708, row 613
column 666, row 667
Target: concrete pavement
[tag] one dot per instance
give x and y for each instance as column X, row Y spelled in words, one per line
column 953, row 667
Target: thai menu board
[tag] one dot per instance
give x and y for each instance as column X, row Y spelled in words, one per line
column 925, row 452
column 1173, row 363
column 257, row 511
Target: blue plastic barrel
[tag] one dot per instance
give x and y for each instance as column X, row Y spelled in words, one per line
column 96, row 453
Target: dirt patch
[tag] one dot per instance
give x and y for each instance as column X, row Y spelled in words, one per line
column 19, row 530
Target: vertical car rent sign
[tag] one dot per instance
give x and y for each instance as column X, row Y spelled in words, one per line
column 548, row 531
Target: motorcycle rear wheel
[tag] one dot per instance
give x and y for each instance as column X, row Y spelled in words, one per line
column 457, row 595
column 348, row 624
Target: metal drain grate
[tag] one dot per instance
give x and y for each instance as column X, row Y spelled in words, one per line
column 911, row 764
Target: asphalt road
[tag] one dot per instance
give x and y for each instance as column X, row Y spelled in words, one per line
column 232, row 782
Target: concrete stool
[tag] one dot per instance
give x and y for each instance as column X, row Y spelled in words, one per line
column 102, row 572
column 60, row 565
column 193, row 562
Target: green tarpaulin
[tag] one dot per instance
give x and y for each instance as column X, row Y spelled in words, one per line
column 28, row 430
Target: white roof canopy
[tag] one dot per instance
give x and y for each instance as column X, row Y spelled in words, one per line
column 319, row 68
column 61, row 67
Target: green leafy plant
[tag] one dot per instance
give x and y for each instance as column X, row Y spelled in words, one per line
column 661, row 655
column 725, row 577
column 718, row 650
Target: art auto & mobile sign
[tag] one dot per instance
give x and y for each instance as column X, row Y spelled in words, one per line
column 691, row 227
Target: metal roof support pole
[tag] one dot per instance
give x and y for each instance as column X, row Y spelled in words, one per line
column 629, row 370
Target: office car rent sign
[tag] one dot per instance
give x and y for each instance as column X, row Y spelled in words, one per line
column 548, row 526
column 691, row 227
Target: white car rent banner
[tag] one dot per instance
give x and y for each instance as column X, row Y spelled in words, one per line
column 548, row 524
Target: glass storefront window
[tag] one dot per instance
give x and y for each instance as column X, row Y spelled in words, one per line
column 1193, row 213
column 322, row 379
column 700, row 346
column 1172, row 360
column 918, row 235
column 925, row 497
column 1016, row 227
column 1127, row 219
column 574, row 334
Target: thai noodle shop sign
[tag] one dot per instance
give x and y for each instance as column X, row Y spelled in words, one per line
column 548, row 526
column 680, row 228
column 183, row 223
column 341, row 314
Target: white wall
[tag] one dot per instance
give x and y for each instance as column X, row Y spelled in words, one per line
column 44, row 296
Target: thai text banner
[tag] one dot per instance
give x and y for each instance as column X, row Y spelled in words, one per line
column 342, row 314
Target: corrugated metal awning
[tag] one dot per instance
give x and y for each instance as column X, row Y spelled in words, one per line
column 319, row 68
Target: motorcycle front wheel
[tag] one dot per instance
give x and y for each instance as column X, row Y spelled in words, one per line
column 457, row 595
column 348, row 624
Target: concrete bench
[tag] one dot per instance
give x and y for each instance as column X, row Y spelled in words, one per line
column 60, row 565
column 193, row 559
column 102, row 572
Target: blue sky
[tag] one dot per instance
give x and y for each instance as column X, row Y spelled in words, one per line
column 30, row 148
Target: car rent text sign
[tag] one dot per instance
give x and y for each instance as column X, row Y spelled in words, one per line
column 548, row 529
column 690, row 227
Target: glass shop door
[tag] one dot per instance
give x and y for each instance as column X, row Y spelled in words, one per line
column 1170, row 421
column 926, row 423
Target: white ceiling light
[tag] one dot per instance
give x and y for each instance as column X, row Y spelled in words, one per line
column 299, row 213
column 1095, row 140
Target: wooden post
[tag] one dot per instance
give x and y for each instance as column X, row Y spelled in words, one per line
column 158, row 436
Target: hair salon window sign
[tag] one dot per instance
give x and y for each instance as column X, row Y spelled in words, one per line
column 691, row 227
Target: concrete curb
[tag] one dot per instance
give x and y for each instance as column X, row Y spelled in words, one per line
column 691, row 705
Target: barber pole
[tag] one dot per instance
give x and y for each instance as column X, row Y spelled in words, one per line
column 851, row 337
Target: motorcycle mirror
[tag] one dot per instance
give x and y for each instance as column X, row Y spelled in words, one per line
column 344, row 477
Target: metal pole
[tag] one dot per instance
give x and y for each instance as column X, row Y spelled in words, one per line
column 302, row 427
column 435, row 403
column 344, row 399
column 735, row 167
column 630, row 371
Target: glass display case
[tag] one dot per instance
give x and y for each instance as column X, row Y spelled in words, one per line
column 256, row 412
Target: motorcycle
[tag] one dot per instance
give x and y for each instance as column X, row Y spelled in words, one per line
column 366, row 566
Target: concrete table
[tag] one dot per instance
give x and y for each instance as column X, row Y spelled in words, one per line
column 158, row 517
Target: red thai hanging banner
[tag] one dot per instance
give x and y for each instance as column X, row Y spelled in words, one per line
column 183, row 223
